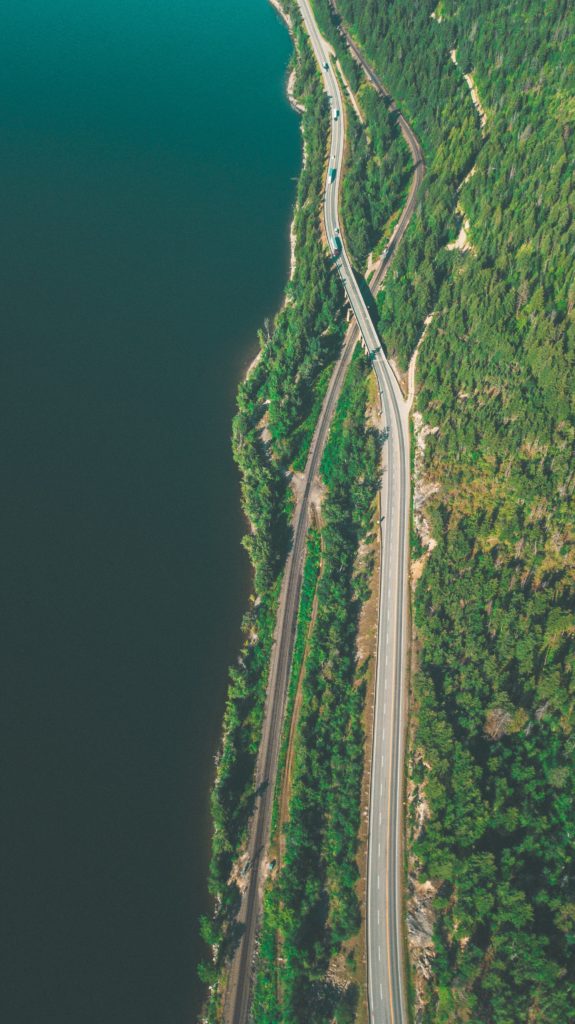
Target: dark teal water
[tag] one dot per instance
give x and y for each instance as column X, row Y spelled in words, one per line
column 147, row 157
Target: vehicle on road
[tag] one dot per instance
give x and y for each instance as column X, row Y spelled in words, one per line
column 325, row 65
column 332, row 174
column 385, row 973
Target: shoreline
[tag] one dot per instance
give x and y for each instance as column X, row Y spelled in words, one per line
column 283, row 14
column 255, row 663
column 299, row 109
column 293, row 102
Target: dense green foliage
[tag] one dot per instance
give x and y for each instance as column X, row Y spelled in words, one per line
column 328, row 29
column 310, row 577
column 312, row 907
column 278, row 405
column 266, row 989
column 493, row 750
column 283, row 392
column 376, row 177
column 308, row 330
column 282, row 395
column 378, row 165
column 410, row 52
column 492, row 753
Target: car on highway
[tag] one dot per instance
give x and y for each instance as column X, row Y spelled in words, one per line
column 325, row 65
column 336, row 114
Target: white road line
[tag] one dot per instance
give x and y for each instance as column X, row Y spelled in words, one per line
column 391, row 537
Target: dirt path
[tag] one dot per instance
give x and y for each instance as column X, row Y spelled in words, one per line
column 413, row 363
column 474, row 94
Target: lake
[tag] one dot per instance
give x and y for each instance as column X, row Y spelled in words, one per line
column 147, row 166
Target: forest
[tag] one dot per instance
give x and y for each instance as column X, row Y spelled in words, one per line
column 376, row 178
column 312, row 905
column 491, row 774
column 277, row 405
column 490, row 778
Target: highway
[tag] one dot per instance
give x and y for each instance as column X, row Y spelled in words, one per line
column 385, row 931
column 409, row 135
column 385, row 942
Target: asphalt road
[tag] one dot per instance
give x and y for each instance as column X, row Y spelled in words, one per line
column 385, row 942
column 385, row 945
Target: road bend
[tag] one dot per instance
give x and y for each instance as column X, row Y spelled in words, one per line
column 385, row 944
